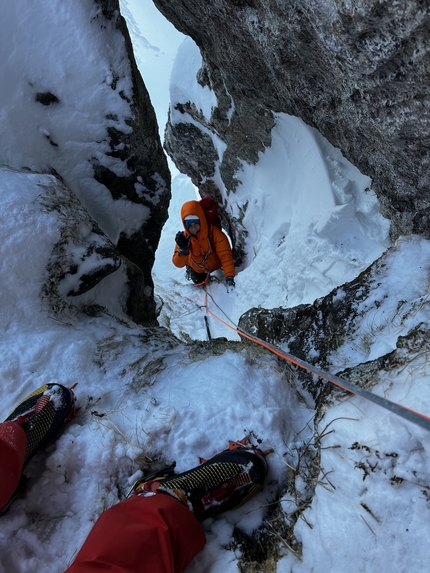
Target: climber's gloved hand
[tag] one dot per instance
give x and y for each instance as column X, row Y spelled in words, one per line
column 229, row 281
column 183, row 243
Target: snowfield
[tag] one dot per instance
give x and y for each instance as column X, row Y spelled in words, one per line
column 354, row 484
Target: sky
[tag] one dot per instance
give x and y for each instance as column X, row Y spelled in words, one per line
column 146, row 399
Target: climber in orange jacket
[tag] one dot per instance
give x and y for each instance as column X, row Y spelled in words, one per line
column 202, row 248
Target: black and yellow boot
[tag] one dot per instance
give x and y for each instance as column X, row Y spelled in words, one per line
column 225, row 482
column 41, row 415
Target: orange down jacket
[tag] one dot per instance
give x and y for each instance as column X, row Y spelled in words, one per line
column 204, row 255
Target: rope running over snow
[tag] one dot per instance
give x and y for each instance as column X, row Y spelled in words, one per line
column 403, row 411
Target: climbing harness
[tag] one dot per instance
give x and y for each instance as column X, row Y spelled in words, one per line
column 406, row 413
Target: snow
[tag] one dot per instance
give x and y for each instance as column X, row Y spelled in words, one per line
column 146, row 399
column 325, row 225
column 183, row 85
column 42, row 53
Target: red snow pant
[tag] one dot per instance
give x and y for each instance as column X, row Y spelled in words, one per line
column 154, row 534
column 13, row 444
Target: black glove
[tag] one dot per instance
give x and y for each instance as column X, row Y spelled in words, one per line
column 183, row 242
column 229, row 281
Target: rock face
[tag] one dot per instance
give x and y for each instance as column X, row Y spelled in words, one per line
column 359, row 72
column 344, row 327
column 83, row 255
column 52, row 251
column 81, row 112
column 312, row 332
column 147, row 184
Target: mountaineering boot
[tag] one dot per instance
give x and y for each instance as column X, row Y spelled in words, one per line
column 155, row 477
column 225, row 482
column 41, row 415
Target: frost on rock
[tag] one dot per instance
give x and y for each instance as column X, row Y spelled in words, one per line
column 84, row 255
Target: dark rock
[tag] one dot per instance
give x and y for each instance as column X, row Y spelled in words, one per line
column 119, row 147
column 309, row 331
column 108, row 262
column 360, row 74
column 143, row 154
column 46, row 98
column 141, row 306
column 345, row 327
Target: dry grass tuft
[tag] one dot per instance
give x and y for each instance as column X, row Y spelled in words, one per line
column 261, row 551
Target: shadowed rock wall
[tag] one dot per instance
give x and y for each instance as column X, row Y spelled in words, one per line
column 148, row 184
column 359, row 72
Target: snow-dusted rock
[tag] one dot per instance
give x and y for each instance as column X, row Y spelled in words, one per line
column 357, row 71
column 363, row 330
column 74, row 104
column 51, row 248
column 84, row 255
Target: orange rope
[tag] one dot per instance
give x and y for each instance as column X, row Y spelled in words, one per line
column 403, row 411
